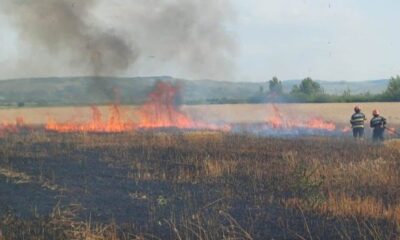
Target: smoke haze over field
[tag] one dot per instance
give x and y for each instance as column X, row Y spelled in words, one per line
column 253, row 40
column 71, row 37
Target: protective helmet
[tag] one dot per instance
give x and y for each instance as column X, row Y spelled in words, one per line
column 357, row 108
column 375, row 112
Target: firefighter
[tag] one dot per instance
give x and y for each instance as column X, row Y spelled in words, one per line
column 378, row 123
column 357, row 123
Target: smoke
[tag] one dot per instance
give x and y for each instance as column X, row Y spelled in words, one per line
column 61, row 27
column 191, row 34
column 123, row 37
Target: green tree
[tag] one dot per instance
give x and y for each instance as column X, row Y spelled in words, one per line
column 308, row 87
column 393, row 90
column 295, row 89
column 346, row 93
column 275, row 86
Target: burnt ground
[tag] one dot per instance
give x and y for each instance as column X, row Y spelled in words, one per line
column 190, row 185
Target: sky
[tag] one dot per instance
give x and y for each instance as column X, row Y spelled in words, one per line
column 334, row 40
column 326, row 39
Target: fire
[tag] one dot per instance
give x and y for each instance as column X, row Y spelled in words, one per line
column 278, row 121
column 161, row 110
column 392, row 131
column 346, row 130
column 12, row 127
column 319, row 123
column 20, row 121
column 114, row 123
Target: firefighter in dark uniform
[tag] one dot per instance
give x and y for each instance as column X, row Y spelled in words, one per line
column 357, row 122
column 378, row 123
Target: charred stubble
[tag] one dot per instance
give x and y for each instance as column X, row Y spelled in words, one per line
column 196, row 185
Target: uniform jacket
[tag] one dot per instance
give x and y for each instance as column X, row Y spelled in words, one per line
column 357, row 120
column 378, row 122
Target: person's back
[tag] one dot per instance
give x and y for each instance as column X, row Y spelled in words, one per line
column 378, row 123
column 357, row 122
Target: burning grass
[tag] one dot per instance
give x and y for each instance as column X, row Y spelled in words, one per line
column 197, row 185
column 163, row 111
column 114, row 124
column 277, row 120
column 159, row 111
column 167, row 174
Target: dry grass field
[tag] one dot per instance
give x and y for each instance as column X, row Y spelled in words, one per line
column 236, row 113
column 198, row 184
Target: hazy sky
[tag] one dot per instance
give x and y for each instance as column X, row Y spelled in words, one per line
column 292, row 39
column 323, row 39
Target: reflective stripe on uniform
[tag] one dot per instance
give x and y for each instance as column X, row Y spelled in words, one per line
column 358, row 115
column 357, row 120
column 376, row 121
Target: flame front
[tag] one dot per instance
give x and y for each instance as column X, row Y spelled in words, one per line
column 12, row 127
column 113, row 125
column 278, row 121
column 161, row 111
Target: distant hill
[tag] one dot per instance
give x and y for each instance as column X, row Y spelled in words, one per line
column 99, row 90
column 338, row 87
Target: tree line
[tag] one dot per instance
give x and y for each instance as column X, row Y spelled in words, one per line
column 311, row 91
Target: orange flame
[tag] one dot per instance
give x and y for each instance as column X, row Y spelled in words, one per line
column 346, row 130
column 278, row 121
column 7, row 127
column 392, row 131
column 161, row 111
column 113, row 125
column 319, row 123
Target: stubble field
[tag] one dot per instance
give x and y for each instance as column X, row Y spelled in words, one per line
column 187, row 184
column 235, row 113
